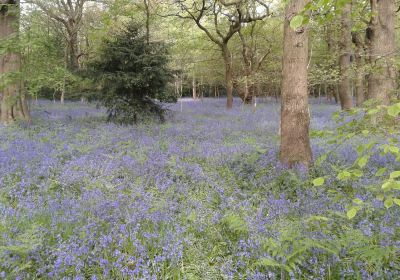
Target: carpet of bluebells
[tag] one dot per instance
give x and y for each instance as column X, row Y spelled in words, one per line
column 201, row 196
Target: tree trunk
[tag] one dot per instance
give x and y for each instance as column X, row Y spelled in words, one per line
column 194, row 88
column 247, row 96
column 295, row 118
column 359, row 52
column 181, row 87
column 228, row 76
column 147, row 10
column 382, row 49
column 13, row 104
column 73, row 61
column 73, row 54
column 344, row 60
column 62, row 97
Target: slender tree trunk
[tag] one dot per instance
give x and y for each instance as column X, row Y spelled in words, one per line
column 336, row 93
column 360, row 79
column 13, row 104
column 344, row 60
column 295, row 118
column 381, row 37
column 181, row 86
column 319, row 92
column 147, row 10
column 63, row 90
column 228, row 76
column 332, row 50
column 194, row 88
column 201, row 88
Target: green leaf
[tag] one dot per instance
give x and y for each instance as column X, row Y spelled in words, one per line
column 380, row 171
column 395, row 174
column 322, row 158
column 394, row 149
column 266, row 262
column 362, row 162
column 319, row 181
column 394, row 110
column 388, row 203
column 262, row 151
column 296, row 21
column 344, row 175
column 387, row 185
column 357, row 201
column 322, row 3
column 397, row 201
column 360, row 149
column 358, row 173
column 372, row 112
column 391, row 185
column 380, row 197
column 317, row 218
column 352, row 213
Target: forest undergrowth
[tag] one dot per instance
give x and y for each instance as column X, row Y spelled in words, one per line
column 201, row 196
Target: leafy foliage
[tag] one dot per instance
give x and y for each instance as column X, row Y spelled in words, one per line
column 378, row 126
column 131, row 73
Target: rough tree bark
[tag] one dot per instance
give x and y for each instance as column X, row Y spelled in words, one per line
column 344, row 60
column 382, row 48
column 295, row 118
column 247, row 95
column 228, row 75
column 73, row 55
column 13, row 104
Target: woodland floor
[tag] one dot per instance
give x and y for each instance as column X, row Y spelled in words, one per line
column 201, row 196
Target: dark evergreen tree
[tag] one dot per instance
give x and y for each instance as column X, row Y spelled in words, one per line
column 132, row 73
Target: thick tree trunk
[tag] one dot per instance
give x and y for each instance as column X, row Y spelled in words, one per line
column 73, row 49
column 228, row 76
column 344, row 60
column 360, row 79
column 295, row 118
column 247, row 95
column 382, row 48
column 248, row 88
column 73, row 63
column 13, row 104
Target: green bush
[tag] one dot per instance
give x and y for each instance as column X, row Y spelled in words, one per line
column 131, row 74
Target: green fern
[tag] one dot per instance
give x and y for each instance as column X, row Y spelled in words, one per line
column 235, row 224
